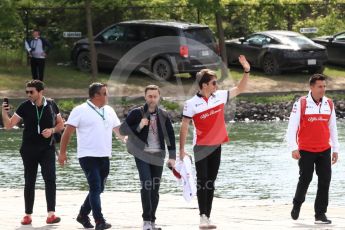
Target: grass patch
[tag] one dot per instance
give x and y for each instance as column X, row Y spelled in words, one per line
column 332, row 71
column 14, row 77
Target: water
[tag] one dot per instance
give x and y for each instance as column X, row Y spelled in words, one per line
column 256, row 165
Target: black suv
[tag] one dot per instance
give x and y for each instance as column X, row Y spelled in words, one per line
column 178, row 47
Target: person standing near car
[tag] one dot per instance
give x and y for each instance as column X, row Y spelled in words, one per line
column 206, row 109
column 37, row 49
column 94, row 121
column 312, row 136
column 37, row 147
column 149, row 129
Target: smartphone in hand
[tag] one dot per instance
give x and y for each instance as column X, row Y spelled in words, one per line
column 7, row 104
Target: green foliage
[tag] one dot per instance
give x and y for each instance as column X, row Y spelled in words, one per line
column 170, row 105
column 10, row 36
column 240, row 17
column 66, row 105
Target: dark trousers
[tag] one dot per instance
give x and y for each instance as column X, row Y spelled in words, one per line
column 37, row 68
column 44, row 157
column 96, row 170
column 150, row 176
column 323, row 167
column 207, row 161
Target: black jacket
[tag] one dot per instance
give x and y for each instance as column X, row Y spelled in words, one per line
column 137, row 139
column 46, row 46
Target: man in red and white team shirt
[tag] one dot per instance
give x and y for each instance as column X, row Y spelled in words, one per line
column 312, row 136
column 206, row 110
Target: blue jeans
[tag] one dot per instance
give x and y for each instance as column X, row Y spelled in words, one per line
column 150, row 177
column 96, row 170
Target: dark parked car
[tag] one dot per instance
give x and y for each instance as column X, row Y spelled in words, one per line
column 335, row 45
column 276, row 51
column 194, row 47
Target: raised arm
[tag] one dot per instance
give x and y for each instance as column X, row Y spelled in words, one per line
column 243, row 83
column 9, row 122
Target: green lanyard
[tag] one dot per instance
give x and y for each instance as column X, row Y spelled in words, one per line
column 100, row 114
column 39, row 116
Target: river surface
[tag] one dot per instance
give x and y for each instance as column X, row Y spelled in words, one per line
column 256, row 165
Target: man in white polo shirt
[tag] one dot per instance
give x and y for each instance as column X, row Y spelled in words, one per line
column 94, row 122
column 206, row 110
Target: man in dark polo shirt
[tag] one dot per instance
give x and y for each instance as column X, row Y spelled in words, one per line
column 38, row 115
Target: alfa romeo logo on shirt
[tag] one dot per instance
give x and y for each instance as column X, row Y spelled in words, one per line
column 120, row 83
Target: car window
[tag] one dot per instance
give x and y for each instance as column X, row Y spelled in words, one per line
column 259, row 40
column 146, row 33
column 132, row 33
column 294, row 40
column 340, row 37
column 113, row 34
column 203, row 35
column 164, row 31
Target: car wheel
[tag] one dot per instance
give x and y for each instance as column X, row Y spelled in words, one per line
column 269, row 65
column 84, row 61
column 162, row 69
column 318, row 69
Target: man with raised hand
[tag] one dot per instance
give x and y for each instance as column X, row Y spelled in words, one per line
column 206, row 110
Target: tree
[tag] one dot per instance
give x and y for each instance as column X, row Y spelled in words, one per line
column 93, row 54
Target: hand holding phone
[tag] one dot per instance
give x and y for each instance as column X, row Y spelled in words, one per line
column 6, row 104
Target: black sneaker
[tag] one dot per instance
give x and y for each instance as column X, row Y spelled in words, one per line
column 295, row 212
column 85, row 221
column 100, row 225
column 322, row 219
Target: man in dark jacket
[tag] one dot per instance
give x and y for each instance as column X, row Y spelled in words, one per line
column 37, row 49
column 148, row 129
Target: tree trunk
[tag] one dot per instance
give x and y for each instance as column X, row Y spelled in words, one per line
column 93, row 54
column 220, row 30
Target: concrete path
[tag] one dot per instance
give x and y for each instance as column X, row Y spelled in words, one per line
column 123, row 211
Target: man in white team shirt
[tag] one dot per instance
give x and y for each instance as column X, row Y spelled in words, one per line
column 206, row 109
column 94, row 122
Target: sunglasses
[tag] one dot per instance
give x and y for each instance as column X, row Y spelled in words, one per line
column 29, row 91
column 214, row 83
column 103, row 94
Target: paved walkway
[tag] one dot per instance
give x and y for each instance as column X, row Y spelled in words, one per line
column 123, row 211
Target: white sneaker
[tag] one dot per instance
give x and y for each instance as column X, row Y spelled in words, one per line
column 147, row 225
column 210, row 224
column 203, row 222
column 154, row 227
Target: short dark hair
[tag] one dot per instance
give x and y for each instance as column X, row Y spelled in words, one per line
column 204, row 76
column 152, row 87
column 37, row 84
column 317, row 77
column 95, row 88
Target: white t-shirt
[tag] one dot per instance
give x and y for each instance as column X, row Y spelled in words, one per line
column 94, row 132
